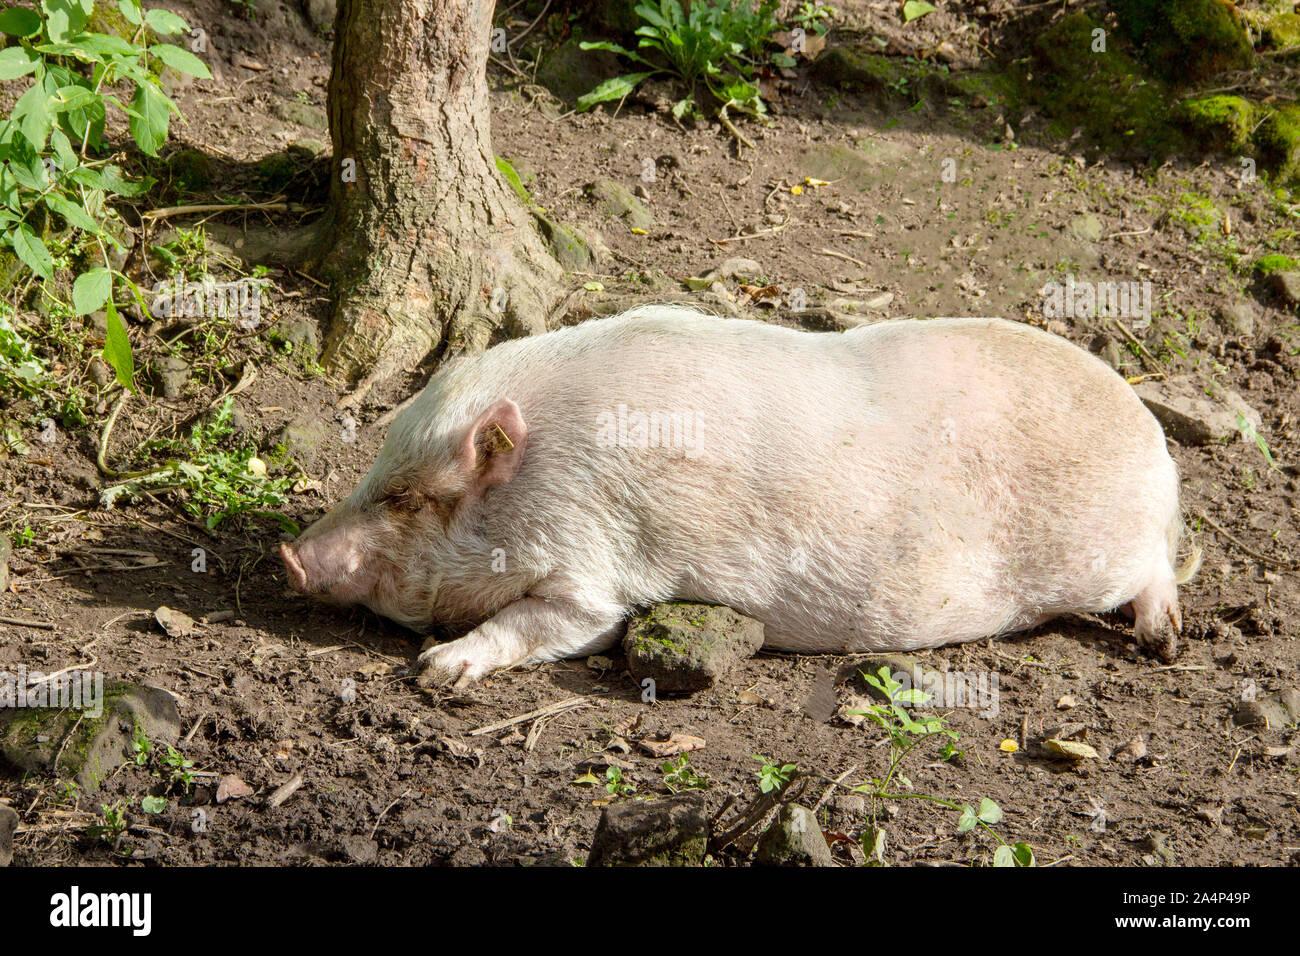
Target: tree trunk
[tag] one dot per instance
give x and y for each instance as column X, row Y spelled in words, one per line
column 427, row 242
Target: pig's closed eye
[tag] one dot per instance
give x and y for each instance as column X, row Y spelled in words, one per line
column 404, row 500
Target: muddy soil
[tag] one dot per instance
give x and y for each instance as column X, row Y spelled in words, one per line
column 867, row 209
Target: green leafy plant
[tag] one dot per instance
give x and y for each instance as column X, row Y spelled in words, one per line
column 679, row 775
column 181, row 769
column 815, row 16
column 114, row 825
column 905, row 734
column 212, row 481
column 153, row 805
column 615, row 784
column 1251, row 434
column 772, row 775
column 715, row 47
column 49, row 143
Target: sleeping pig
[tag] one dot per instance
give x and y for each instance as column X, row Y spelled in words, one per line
column 898, row 486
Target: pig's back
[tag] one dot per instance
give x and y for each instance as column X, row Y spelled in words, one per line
column 905, row 484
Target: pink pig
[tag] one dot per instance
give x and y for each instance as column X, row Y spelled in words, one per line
column 899, row 486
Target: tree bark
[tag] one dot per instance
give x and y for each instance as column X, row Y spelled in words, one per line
column 429, row 244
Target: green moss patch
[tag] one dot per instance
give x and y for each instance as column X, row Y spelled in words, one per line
column 1186, row 40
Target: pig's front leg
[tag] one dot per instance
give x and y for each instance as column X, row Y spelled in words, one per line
column 530, row 629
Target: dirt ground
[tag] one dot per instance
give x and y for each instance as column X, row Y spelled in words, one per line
column 277, row 687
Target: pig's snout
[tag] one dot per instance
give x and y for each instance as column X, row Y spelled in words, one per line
column 335, row 563
column 293, row 568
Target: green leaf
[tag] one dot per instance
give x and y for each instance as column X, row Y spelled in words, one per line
column 183, row 61
column 16, row 61
column 73, row 98
column 968, row 818
column 1004, row 856
column 1024, row 854
column 153, row 805
column 612, row 89
column 31, row 250
column 915, row 9
column 18, row 22
column 131, row 10
column 152, row 114
column 63, row 18
column 112, row 179
column 990, row 812
column 164, row 22
column 117, row 349
column 70, row 211
column 91, row 290
column 86, row 123
column 37, row 121
column 26, row 166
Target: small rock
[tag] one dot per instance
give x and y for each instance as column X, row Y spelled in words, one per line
column 736, row 268
column 668, row 832
column 684, row 648
column 304, row 114
column 8, row 824
column 301, row 333
column 617, row 202
column 1239, row 318
column 1135, row 749
column 795, row 839
column 89, row 743
column 1066, row 703
column 1155, row 845
column 1086, row 228
column 101, row 373
column 359, row 849
column 1274, row 711
column 1286, row 283
column 169, row 375
column 1190, row 414
column 302, row 442
column 320, row 13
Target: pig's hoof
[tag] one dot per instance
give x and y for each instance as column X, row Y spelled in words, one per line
column 452, row 664
column 1160, row 640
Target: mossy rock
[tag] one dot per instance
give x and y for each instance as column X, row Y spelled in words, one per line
column 1219, row 123
column 571, row 250
column 1107, row 94
column 1277, row 142
column 85, row 744
column 1186, row 40
column 667, row 832
column 190, row 170
column 617, row 202
column 1283, row 31
column 684, row 648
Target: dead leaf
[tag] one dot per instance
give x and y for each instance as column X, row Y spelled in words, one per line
column 674, row 744
column 232, row 787
column 462, row 750
column 375, row 669
column 174, row 623
column 1066, row 703
column 1070, row 749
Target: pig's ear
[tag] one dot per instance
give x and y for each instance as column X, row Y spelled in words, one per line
column 493, row 449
